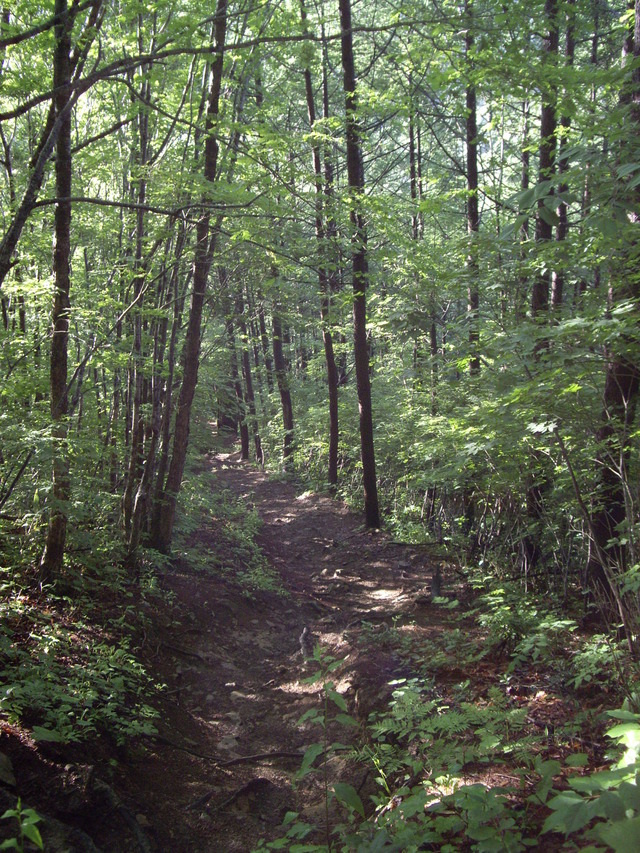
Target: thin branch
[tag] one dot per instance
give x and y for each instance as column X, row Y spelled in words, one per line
column 5, row 497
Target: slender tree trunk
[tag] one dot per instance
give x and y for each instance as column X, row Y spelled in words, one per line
column 473, row 217
column 280, row 365
column 241, row 417
column 264, row 342
column 548, row 125
column 520, row 304
column 53, row 556
column 355, row 172
column 608, row 552
column 581, row 286
column 141, row 503
column 162, row 536
column 323, row 279
column 562, row 228
column 137, row 355
column 165, row 426
column 539, row 482
column 248, row 377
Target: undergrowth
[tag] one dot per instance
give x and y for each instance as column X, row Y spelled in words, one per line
column 507, row 759
column 217, row 535
column 66, row 678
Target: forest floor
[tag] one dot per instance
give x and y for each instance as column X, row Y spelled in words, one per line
column 219, row 775
column 238, row 676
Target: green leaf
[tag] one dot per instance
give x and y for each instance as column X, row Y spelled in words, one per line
column 347, row 720
column 628, row 169
column 348, row 796
column 623, row 835
column 630, row 795
column 606, row 225
column 337, row 699
column 43, row 734
column 9, row 813
column 579, row 759
column 33, row 834
column 613, row 805
column 547, row 215
column 310, row 755
column 311, row 714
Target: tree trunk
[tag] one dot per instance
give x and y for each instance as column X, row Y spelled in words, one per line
column 538, row 475
column 53, row 126
column 264, row 342
column 355, row 172
column 473, row 218
column 137, row 355
column 141, row 503
column 248, row 378
column 608, row 553
column 241, row 415
column 280, row 366
column 162, row 536
column 323, row 279
column 52, row 558
column 544, row 219
column 562, row 228
column 165, row 427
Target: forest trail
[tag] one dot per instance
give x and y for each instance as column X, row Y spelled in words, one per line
column 219, row 776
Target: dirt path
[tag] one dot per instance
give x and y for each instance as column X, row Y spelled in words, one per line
column 219, row 777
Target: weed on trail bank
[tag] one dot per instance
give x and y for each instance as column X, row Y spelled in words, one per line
column 68, row 679
column 522, row 748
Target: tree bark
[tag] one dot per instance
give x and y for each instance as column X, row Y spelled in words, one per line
column 264, row 342
column 473, row 218
column 562, row 228
column 241, row 414
column 280, row 366
column 608, row 554
column 167, row 412
column 137, row 355
column 548, row 126
column 250, row 398
column 53, row 556
column 355, row 173
column 538, row 477
column 162, row 536
column 323, row 280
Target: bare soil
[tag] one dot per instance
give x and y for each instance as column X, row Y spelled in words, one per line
column 236, row 673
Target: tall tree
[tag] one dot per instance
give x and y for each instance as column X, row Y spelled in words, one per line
column 473, row 215
column 282, row 380
column 52, row 558
column 324, row 278
column 608, row 555
column 360, row 268
column 162, row 534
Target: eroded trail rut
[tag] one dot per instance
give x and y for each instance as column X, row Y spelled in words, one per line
column 219, row 777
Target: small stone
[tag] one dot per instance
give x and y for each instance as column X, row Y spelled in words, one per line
column 228, row 743
column 143, row 821
column 307, row 643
